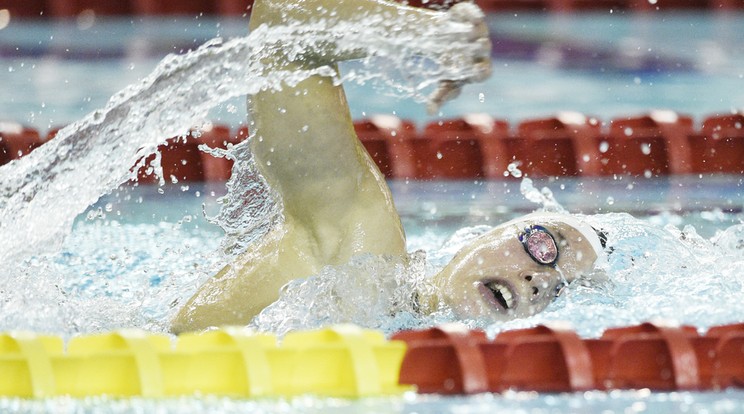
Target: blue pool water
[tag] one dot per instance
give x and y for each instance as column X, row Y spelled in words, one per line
column 601, row 64
column 138, row 252
column 139, row 249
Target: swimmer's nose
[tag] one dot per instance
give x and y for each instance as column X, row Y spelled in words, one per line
column 538, row 287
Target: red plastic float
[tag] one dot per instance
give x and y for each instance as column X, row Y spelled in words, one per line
column 479, row 146
column 645, row 5
column 25, row 8
column 74, row 8
column 453, row 148
column 651, row 356
column 650, row 145
column 445, row 360
column 719, row 147
column 388, row 140
column 16, row 141
column 233, row 7
column 496, row 6
column 160, row 7
column 565, row 145
column 180, row 159
column 727, row 365
column 545, row 359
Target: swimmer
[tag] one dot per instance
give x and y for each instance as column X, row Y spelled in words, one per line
column 337, row 203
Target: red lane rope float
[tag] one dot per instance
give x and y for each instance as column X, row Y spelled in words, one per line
column 182, row 160
column 218, row 136
column 528, row 349
column 654, row 144
column 565, row 145
column 17, row 140
column 726, row 360
column 477, row 146
column 74, row 8
column 457, row 148
column 652, row 356
column 349, row 362
column 719, row 146
column 445, row 360
column 389, row 141
column 550, row 359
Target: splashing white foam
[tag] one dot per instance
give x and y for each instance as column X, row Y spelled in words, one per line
column 42, row 193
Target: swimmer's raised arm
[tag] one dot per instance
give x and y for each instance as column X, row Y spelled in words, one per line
column 336, row 202
column 439, row 33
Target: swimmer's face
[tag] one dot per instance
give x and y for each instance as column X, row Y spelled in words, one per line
column 515, row 270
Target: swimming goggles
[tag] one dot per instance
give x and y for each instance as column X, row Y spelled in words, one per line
column 540, row 245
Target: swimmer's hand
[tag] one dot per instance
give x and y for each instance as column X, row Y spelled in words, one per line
column 480, row 58
column 447, row 90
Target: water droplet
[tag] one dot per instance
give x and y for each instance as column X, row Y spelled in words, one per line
column 481, row 97
column 604, row 146
column 628, row 131
column 586, row 158
column 646, row 148
column 514, row 170
column 647, row 174
column 439, row 155
column 610, row 200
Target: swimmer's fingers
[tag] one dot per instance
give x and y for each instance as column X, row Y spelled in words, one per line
column 447, row 90
column 474, row 60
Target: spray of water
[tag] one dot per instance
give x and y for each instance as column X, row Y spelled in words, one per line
column 42, row 193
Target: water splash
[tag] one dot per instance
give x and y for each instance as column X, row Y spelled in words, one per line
column 371, row 291
column 41, row 194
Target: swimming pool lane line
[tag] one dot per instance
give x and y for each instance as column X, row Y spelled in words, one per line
column 346, row 361
column 478, row 146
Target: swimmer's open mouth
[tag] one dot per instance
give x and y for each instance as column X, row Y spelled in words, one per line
column 499, row 294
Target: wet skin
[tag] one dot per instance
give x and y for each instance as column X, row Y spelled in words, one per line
column 495, row 278
column 336, row 202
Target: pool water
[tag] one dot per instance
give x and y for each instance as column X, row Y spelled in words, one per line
column 140, row 251
column 132, row 258
column 600, row 64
